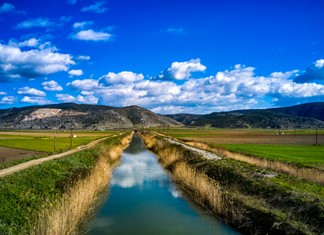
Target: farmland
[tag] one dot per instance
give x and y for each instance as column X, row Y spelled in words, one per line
column 44, row 141
column 293, row 146
column 247, row 136
column 305, row 155
column 20, row 146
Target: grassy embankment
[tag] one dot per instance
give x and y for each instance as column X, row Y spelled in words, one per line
column 250, row 198
column 52, row 198
column 43, row 142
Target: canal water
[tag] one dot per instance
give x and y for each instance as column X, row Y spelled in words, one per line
column 143, row 200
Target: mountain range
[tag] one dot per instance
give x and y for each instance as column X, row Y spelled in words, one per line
column 307, row 115
column 81, row 116
column 100, row 117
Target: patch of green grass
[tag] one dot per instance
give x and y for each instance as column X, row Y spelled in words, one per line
column 294, row 184
column 188, row 135
column 304, row 132
column 200, row 132
column 307, row 155
column 43, row 144
column 190, row 132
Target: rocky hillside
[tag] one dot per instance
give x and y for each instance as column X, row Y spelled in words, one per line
column 77, row 116
column 300, row 116
column 100, row 117
column 310, row 110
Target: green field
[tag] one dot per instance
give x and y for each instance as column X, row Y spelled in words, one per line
column 218, row 131
column 294, row 146
column 307, row 155
column 209, row 132
column 44, row 141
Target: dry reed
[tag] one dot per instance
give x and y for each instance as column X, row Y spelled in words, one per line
column 208, row 192
column 65, row 215
column 205, row 191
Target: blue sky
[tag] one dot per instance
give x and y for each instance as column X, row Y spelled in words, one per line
column 167, row 56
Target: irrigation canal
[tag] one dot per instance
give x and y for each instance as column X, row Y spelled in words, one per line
column 142, row 199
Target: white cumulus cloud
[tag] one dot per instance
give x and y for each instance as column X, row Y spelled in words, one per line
column 183, row 70
column 319, row 63
column 8, row 100
column 30, row 91
column 87, row 99
column 76, row 72
column 90, row 35
column 16, row 63
column 86, row 84
column 237, row 88
column 51, row 86
column 32, row 42
column 122, row 77
column 87, row 92
column 35, row 100
column 84, row 97
column 65, row 98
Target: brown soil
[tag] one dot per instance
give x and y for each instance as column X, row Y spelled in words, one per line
column 258, row 139
column 10, row 154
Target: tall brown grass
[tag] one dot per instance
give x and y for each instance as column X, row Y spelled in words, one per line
column 205, row 191
column 208, row 193
column 311, row 174
column 65, row 215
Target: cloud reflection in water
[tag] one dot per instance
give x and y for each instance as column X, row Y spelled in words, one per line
column 137, row 169
column 175, row 192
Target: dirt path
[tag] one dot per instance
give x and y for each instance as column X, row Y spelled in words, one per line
column 204, row 153
column 25, row 165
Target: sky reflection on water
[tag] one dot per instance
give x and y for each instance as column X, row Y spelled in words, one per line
column 136, row 171
column 143, row 200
